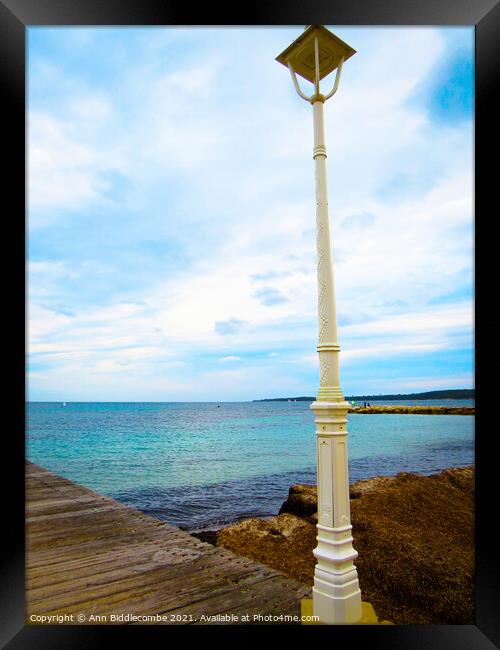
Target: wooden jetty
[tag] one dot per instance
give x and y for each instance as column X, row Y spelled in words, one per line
column 93, row 560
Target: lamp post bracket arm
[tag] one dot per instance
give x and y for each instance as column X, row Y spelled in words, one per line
column 296, row 84
column 337, row 80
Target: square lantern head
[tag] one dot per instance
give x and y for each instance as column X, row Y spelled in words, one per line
column 300, row 54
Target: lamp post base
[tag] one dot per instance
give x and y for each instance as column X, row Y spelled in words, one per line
column 336, row 593
column 339, row 602
column 368, row 616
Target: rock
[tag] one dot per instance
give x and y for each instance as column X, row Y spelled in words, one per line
column 288, row 525
column 208, row 536
column 283, row 525
column 358, row 489
column 281, row 542
column 302, row 500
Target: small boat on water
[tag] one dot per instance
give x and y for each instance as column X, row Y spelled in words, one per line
column 64, row 403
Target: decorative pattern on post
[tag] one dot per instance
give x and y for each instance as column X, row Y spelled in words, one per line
column 336, row 593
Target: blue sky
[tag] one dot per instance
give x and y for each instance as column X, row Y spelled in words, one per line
column 171, row 214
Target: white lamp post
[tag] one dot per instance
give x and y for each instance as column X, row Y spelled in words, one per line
column 336, row 593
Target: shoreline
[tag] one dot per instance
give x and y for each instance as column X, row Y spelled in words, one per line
column 356, row 488
column 210, row 531
column 400, row 525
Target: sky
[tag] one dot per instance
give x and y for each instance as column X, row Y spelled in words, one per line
column 171, row 246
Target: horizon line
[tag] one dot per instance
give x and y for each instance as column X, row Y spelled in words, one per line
column 222, row 401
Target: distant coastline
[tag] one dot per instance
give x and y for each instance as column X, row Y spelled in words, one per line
column 462, row 393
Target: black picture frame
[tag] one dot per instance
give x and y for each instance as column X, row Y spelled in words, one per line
column 15, row 17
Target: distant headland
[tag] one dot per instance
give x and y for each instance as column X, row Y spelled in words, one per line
column 460, row 393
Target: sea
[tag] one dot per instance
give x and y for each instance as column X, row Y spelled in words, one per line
column 204, row 465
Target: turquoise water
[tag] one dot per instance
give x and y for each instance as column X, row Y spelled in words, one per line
column 205, row 464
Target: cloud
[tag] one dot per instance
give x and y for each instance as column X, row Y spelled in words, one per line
column 269, row 275
column 435, row 383
column 270, row 296
column 61, row 171
column 229, row 358
column 231, row 326
column 163, row 235
column 358, row 221
column 434, row 320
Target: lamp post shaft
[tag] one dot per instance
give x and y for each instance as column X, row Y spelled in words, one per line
column 336, row 593
column 328, row 346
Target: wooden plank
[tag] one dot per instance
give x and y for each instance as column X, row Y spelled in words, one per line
column 49, row 506
column 100, row 524
column 49, row 560
column 95, row 564
column 155, row 593
column 268, row 593
column 43, row 557
column 104, row 573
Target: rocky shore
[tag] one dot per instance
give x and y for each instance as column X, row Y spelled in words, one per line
column 416, row 410
column 414, row 535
